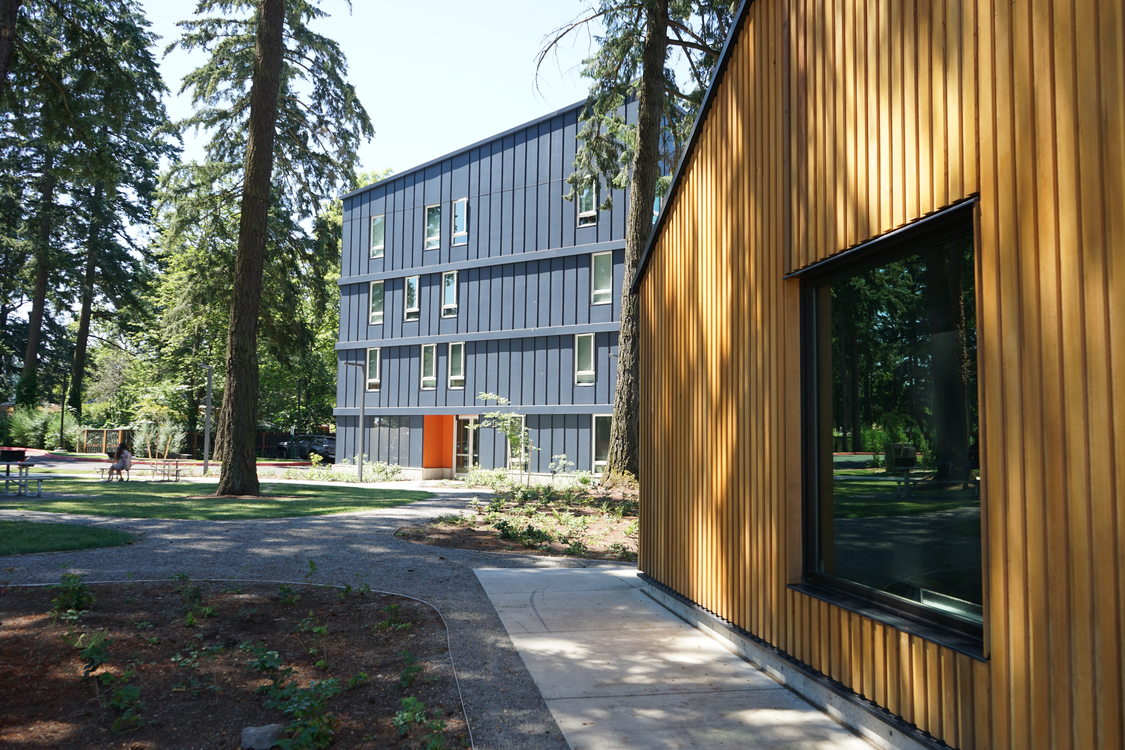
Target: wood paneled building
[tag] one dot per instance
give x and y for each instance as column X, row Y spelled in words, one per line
column 883, row 361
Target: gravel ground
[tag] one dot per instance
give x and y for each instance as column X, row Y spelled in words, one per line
column 504, row 707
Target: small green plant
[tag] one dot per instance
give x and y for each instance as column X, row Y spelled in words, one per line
column 191, row 597
column 93, row 649
column 309, row 625
column 577, row 548
column 125, row 697
column 357, row 679
column 312, row 726
column 410, row 670
column 392, row 621
column 495, row 479
column 623, row 552
column 411, row 712
column 560, row 464
column 73, row 599
column 287, row 595
column 529, row 536
column 312, row 569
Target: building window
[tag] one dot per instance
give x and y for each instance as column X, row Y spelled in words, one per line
column 377, row 233
column 449, row 294
column 375, row 295
column 429, row 366
column 892, row 451
column 374, row 368
column 433, row 227
column 457, row 365
column 602, row 424
column 411, row 306
column 584, row 373
column 517, row 459
column 601, row 278
column 588, row 203
column 461, row 221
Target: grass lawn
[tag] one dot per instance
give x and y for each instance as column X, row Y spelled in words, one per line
column 189, row 500
column 877, row 498
column 22, row 537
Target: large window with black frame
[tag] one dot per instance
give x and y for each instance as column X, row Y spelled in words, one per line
column 892, row 448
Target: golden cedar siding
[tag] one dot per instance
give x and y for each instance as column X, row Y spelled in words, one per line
column 894, row 110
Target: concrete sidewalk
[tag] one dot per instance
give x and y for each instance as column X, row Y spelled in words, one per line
column 618, row 670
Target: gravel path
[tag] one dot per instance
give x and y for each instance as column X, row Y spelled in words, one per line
column 505, row 709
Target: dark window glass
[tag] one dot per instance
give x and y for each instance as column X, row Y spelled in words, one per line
column 895, row 506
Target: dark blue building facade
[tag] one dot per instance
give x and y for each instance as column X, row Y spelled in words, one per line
column 472, row 274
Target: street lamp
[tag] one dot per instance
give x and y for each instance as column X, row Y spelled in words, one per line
column 362, row 414
column 207, row 419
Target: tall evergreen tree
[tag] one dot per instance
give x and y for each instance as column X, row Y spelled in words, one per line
column 252, row 89
column 633, row 60
column 81, row 127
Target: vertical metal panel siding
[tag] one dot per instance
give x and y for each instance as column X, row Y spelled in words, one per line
column 837, row 121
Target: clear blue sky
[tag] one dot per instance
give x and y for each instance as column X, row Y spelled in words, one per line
column 434, row 75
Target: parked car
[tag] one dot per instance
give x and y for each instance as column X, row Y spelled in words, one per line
column 303, row 446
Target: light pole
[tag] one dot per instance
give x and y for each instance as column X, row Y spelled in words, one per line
column 362, row 414
column 207, row 419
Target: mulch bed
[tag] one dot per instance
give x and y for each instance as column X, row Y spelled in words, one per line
column 199, row 674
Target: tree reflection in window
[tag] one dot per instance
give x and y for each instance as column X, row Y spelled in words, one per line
column 897, row 507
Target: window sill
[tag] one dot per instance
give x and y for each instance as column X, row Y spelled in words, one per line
column 960, row 642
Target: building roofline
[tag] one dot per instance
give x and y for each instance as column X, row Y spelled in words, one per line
column 463, row 149
column 696, row 131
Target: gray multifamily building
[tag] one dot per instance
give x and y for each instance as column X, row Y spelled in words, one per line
column 473, row 274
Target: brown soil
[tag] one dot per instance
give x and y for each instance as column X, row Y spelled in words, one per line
column 605, row 537
column 197, row 684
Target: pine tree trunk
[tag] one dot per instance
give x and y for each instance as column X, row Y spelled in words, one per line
column 238, row 415
column 623, row 454
column 89, row 278
column 27, row 391
column 9, row 10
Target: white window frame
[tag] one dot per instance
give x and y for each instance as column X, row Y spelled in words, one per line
column 598, row 467
column 520, row 463
column 373, row 383
column 588, row 217
column 432, row 242
column 461, row 237
column 428, row 382
column 585, row 377
column 376, row 251
column 601, row 296
column 456, row 382
column 415, row 312
column 449, row 310
column 375, row 317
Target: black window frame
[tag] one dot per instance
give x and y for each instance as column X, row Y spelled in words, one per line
column 954, row 632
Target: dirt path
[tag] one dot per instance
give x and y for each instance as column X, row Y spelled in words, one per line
column 504, row 706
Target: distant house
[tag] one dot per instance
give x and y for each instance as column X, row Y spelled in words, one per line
column 883, row 365
column 471, row 273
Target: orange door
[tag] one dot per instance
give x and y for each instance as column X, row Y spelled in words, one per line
column 437, row 441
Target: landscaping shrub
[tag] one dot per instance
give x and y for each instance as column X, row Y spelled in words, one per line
column 28, row 426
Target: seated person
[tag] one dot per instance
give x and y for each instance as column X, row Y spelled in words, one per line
column 122, row 462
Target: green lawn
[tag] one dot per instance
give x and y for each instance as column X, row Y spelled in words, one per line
column 189, row 500
column 22, row 537
column 877, row 498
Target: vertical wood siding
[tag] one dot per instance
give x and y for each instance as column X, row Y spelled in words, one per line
column 837, row 121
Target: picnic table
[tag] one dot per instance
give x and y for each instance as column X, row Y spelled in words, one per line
column 22, row 480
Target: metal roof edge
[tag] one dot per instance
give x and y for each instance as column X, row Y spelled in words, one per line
column 463, row 149
column 696, row 130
